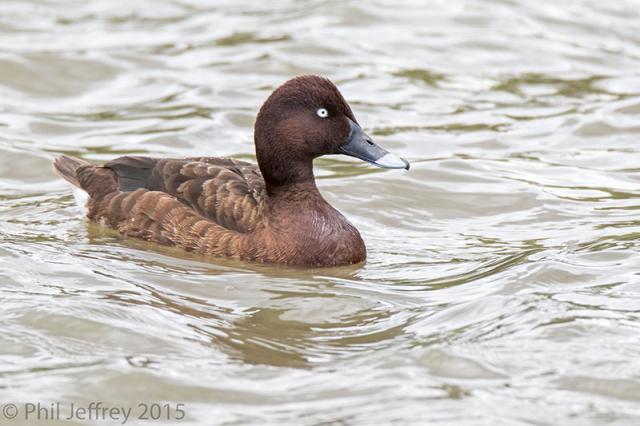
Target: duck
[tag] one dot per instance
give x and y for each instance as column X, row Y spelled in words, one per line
column 271, row 212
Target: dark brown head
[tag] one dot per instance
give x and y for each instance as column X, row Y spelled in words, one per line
column 306, row 118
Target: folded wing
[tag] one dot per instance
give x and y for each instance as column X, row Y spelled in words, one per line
column 227, row 191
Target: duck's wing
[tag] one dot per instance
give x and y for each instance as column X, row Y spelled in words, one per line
column 227, row 191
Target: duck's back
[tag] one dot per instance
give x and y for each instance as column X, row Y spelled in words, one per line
column 207, row 205
column 227, row 191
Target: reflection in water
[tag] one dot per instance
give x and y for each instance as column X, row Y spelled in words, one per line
column 502, row 280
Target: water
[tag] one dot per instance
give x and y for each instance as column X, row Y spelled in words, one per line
column 502, row 285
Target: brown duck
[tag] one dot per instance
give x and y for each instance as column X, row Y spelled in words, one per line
column 272, row 212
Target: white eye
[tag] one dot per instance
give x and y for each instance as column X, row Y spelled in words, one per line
column 322, row 113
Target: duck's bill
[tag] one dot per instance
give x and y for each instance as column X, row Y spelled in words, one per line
column 360, row 145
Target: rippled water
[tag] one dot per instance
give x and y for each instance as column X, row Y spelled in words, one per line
column 502, row 285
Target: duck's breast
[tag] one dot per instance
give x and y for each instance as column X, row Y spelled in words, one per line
column 315, row 237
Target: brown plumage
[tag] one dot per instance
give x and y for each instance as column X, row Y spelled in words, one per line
column 224, row 207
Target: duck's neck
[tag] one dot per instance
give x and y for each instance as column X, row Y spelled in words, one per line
column 295, row 192
column 289, row 180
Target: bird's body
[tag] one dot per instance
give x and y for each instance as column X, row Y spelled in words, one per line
column 222, row 207
column 217, row 207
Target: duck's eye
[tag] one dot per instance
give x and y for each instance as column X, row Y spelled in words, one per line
column 322, row 113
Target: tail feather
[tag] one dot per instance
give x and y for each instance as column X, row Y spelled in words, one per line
column 67, row 167
column 96, row 181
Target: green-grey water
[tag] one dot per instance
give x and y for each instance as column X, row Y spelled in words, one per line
column 502, row 285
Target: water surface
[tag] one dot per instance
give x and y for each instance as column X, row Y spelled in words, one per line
column 502, row 284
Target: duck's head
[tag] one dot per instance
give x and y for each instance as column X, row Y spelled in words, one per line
column 306, row 118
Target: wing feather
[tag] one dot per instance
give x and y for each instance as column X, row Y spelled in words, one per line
column 227, row 191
